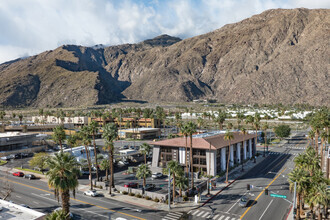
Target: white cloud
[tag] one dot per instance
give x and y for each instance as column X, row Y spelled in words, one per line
column 30, row 27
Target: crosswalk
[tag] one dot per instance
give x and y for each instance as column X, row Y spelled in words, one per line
column 272, row 153
column 207, row 215
column 296, row 148
column 173, row 216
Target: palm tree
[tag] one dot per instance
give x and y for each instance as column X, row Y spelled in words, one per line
column 59, row 136
column 220, row 118
column 255, row 122
column 321, row 197
column 84, row 135
column 57, row 215
column 176, row 172
column 200, row 122
column 324, row 137
column 143, row 172
column 145, row 149
column 63, row 177
column 239, row 117
column 93, row 129
column 184, row 130
column 105, row 165
column 20, row 116
column 182, row 183
column 2, row 115
column 228, row 137
column 72, row 141
column 243, row 132
column 311, row 135
column 264, row 128
column 110, row 134
column 191, row 130
column 230, row 125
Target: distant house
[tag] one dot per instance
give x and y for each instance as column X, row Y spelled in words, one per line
column 139, row 133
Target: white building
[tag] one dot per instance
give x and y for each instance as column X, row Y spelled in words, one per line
column 16, row 212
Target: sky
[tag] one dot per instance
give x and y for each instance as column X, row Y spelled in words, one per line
column 29, row 27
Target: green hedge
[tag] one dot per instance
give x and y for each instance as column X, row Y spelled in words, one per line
column 29, row 170
column 3, row 162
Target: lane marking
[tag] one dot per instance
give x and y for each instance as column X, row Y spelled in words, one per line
column 74, row 199
column 235, row 203
column 18, row 196
column 262, row 193
column 266, row 209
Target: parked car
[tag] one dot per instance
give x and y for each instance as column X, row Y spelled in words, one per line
column 149, row 186
column 5, row 158
column 11, row 156
column 243, row 202
column 124, row 147
column 19, row 174
column 123, row 162
column 131, row 185
column 92, row 193
column 29, row 176
column 156, row 175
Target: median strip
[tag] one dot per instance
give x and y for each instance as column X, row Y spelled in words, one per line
column 261, row 193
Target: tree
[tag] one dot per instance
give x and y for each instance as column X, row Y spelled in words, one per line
column 176, row 171
column 93, row 129
column 230, row 125
column 185, row 131
column 264, row 128
column 143, row 172
column 282, row 131
column 145, row 149
column 243, row 132
column 39, row 160
column 63, row 177
column 59, row 135
column 20, row 116
column 239, row 117
column 220, row 118
column 13, row 115
column 105, row 165
column 182, row 183
column 200, row 122
column 2, row 116
column 72, row 141
column 311, row 135
column 86, row 141
column 191, row 130
column 324, row 137
column 110, row 134
column 228, row 137
column 321, row 197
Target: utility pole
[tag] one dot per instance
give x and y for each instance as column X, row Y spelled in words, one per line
column 169, row 189
column 294, row 200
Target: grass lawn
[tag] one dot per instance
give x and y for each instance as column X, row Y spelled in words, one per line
column 29, row 170
column 2, row 162
column 276, row 141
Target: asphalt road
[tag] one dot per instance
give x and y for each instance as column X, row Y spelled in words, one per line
column 271, row 173
column 38, row 196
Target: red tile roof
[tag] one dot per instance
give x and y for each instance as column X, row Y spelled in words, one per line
column 216, row 141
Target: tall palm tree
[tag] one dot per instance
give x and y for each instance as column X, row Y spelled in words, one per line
column 182, row 183
column 145, row 149
column 243, row 132
column 264, row 128
column 228, row 137
column 84, row 135
column 311, row 135
column 143, row 172
column 324, row 137
column 59, row 136
column 200, row 122
column 255, row 122
column 176, row 171
column 321, row 197
column 185, row 131
column 72, row 141
column 94, row 129
column 110, row 134
column 63, row 177
column 191, row 130
column 2, row 116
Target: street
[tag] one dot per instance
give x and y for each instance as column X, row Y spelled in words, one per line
column 271, row 173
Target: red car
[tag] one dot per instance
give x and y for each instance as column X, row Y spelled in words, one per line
column 131, row 185
column 19, row 174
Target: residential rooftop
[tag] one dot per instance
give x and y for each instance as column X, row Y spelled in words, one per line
column 16, row 212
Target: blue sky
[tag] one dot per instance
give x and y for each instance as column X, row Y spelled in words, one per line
column 29, row 27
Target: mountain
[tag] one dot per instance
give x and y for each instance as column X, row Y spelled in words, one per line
column 278, row 56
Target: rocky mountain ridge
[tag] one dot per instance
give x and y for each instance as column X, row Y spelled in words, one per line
column 278, row 56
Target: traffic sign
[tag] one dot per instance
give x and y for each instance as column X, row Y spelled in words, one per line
column 278, row 196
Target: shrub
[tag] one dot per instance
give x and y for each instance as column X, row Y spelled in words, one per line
column 156, row 200
column 124, row 192
column 138, row 195
column 185, row 198
column 131, row 194
column 166, row 201
column 147, row 198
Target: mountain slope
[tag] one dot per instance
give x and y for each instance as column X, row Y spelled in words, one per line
column 278, row 56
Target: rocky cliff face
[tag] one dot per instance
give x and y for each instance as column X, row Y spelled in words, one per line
column 279, row 56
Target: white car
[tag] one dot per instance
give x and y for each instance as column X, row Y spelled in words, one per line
column 156, row 175
column 92, row 193
column 123, row 162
